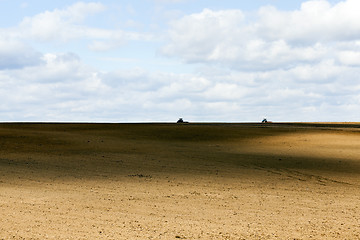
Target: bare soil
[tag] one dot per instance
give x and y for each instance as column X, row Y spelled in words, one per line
column 187, row 181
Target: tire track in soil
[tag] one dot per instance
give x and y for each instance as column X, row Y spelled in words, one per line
column 301, row 176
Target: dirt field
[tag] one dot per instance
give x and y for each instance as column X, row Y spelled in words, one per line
column 168, row 181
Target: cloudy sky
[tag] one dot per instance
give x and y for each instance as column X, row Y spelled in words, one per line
column 158, row 60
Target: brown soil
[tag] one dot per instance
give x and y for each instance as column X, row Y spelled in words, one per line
column 168, row 181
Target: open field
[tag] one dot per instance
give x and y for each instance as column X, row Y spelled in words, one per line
column 191, row 181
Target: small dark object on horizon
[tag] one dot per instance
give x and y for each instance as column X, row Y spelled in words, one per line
column 265, row 121
column 181, row 121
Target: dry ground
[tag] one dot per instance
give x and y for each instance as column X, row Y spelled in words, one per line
column 167, row 181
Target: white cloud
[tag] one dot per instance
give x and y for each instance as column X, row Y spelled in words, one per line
column 273, row 39
column 350, row 57
column 324, row 71
column 53, row 68
column 64, row 89
column 63, row 24
column 316, row 21
column 205, row 36
column 68, row 24
column 15, row 54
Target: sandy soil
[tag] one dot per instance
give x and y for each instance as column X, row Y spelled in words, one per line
column 168, row 181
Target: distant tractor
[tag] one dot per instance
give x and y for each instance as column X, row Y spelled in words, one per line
column 180, row 121
column 265, row 121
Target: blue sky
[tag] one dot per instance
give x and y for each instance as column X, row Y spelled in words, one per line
column 158, row 60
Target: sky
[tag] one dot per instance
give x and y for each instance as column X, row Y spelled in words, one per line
column 159, row 60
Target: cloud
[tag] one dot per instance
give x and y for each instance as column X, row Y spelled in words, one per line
column 14, row 54
column 315, row 21
column 199, row 37
column 63, row 88
column 271, row 39
column 69, row 24
column 62, row 24
column 349, row 57
column 61, row 67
